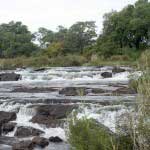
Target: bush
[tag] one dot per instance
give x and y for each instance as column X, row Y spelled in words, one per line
column 87, row 134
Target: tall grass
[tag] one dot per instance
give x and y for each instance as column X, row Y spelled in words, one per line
column 42, row 61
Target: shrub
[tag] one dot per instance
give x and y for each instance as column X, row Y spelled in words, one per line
column 87, row 134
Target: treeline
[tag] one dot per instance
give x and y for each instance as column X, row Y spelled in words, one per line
column 124, row 33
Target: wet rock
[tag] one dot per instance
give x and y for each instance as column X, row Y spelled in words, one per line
column 5, row 140
column 97, row 91
column 9, row 77
column 124, row 90
column 22, row 132
column 34, row 90
column 106, row 74
column 8, row 127
column 6, row 117
column 57, row 111
column 52, row 115
column 118, row 70
column 55, row 139
column 23, row 145
column 40, row 69
column 73, row 91
column 40, row 141
column 47, row 121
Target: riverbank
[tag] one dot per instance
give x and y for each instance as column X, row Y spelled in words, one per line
column 61, row 61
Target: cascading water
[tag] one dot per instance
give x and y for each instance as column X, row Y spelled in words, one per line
column 38, row 87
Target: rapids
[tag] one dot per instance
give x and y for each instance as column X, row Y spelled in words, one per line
column 43, row 86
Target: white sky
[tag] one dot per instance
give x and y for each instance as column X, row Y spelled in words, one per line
column 51, row 13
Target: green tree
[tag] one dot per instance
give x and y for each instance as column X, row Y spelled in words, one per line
column 79, row 36
column 15, row 39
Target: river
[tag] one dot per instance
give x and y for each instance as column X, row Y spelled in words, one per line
column 43, row 86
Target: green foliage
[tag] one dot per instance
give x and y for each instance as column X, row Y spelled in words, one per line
column 79, row 36
column 87, row 134
column 53, row 50
column 126, row 30
column 15, row 40
column 42, row 61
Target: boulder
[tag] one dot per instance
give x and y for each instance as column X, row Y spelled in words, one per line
column 40, row 141
column 47, row 121
column 52, row 115
column 55, row 139
column 23, row 132
column 6, row 117
column 118, row 70
column 9, row 77
column 8, row 127
column 73, row 91
column 106, row 74
column 23, row 145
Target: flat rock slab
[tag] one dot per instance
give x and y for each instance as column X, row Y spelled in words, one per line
column 34, row 90
column 9, row 77
column 23, row 145
column 52, row 115
column 73, row 91
column 23, row 132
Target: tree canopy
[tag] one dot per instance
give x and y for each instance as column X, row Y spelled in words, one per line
column 15, row 39
column 128, row 28
column 123, row 31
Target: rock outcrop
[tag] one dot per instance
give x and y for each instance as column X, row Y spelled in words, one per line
column 9, row 77
column 23, row 132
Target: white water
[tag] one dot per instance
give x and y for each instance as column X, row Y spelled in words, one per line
column 89, row 77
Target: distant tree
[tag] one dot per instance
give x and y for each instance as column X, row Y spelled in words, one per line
column 80, row 35
column 44, row 37
column 15, row 40
column 128, row 28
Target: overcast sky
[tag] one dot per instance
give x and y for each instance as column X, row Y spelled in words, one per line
column 51, row 13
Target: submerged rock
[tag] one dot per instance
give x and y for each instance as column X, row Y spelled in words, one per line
column 40, row 141
column 22, row 132
column 9, row 77
column 106, row 74
column 55, row 139
column 23, row 145
column 73, row 91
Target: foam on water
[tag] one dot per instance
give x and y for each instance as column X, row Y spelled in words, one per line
column 85, row 73
column 106, row 115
